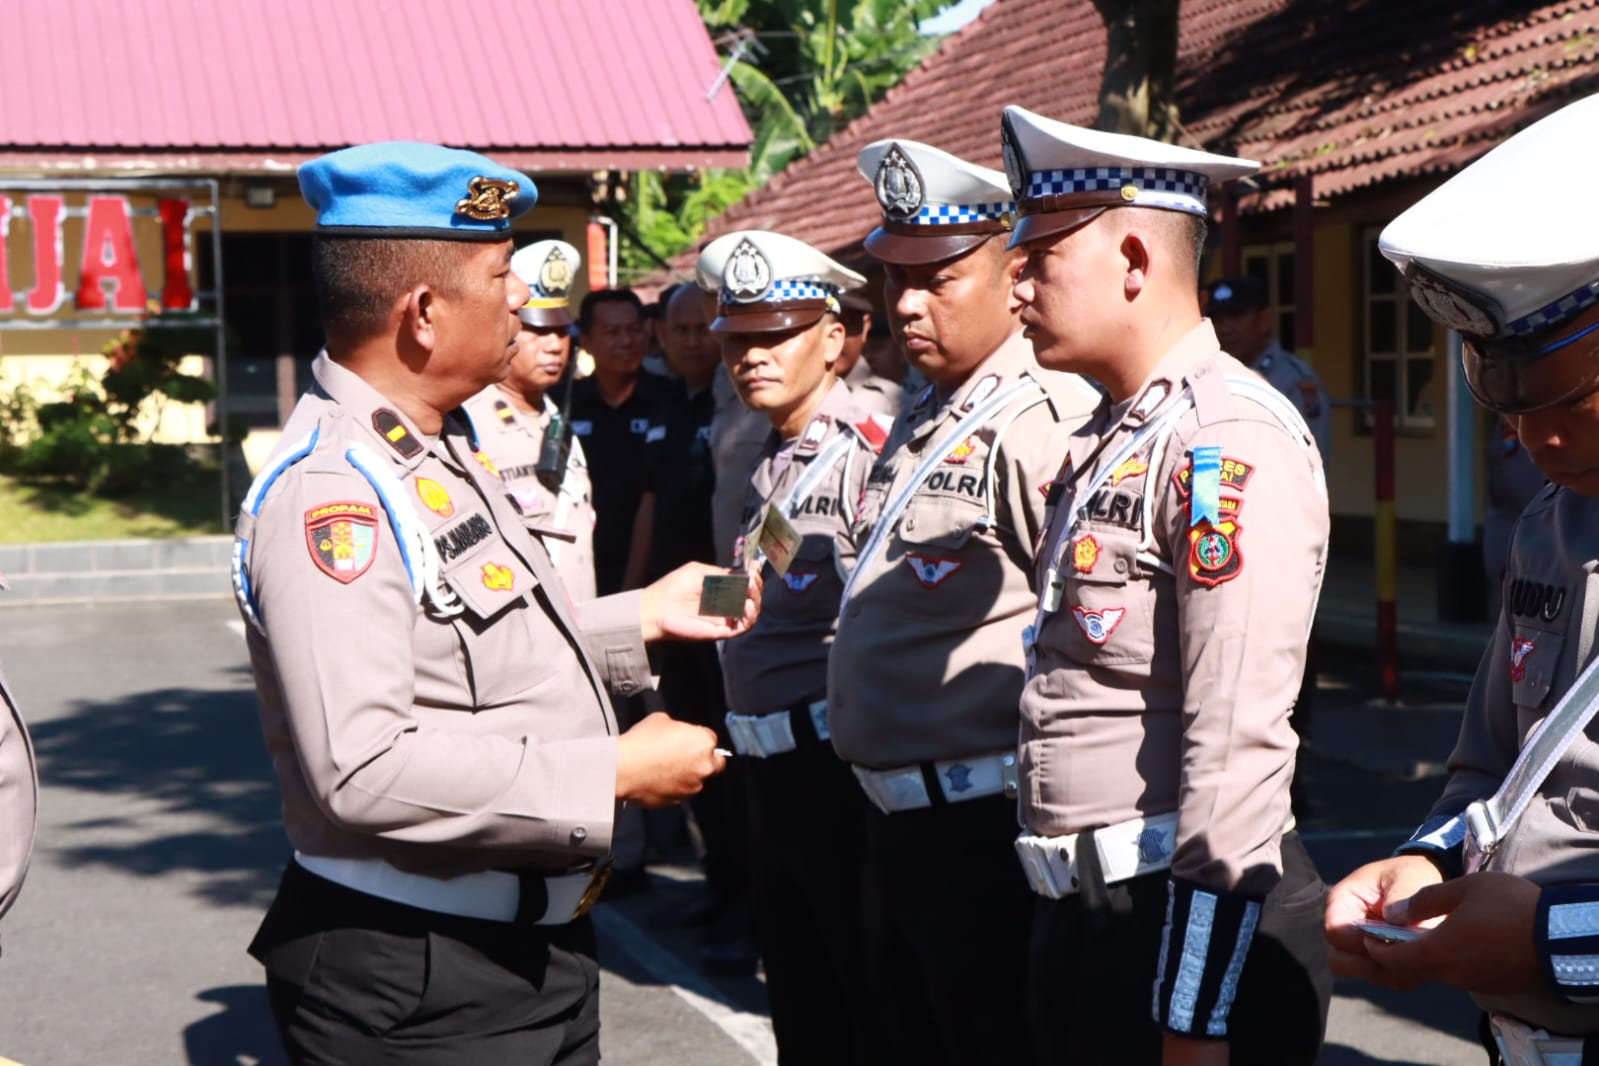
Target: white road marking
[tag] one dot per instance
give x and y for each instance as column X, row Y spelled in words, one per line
column 752, row 1032
column 237, row 625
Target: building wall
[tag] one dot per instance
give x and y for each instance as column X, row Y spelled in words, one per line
column 1420, row 454
column 47, row 359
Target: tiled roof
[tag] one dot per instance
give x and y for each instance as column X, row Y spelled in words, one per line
column 1354, row 91
column 542, row 84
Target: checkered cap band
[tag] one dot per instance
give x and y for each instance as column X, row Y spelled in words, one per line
column 1183, row 190
column 1557, row 312
column 784, row 290
column 958, row 214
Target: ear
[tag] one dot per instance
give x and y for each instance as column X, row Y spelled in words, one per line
column 833, row 335
column 418, row 309
column 1135, row 251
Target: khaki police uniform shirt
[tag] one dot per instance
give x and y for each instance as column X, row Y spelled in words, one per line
column 514, row 439
column 929, row 664
column 782, row 661
column 1298, row 380
column 1164, row 679
column 19, row 799
column 468, row 733
column 1544, row 638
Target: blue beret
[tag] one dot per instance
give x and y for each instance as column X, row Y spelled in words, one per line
column 405, row 189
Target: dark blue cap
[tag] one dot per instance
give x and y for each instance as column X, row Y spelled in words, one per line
column 396, row 189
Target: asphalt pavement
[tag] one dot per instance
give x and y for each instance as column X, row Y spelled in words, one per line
column 160, row 846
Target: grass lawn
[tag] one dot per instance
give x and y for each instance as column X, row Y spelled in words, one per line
column 30, row 513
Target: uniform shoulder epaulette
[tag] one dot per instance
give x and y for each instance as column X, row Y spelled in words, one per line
column 873, row 428
column 1214, row 399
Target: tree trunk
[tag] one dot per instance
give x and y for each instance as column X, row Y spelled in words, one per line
column 1135, row 95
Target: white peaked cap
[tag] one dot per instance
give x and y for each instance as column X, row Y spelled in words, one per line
column 770, row 281
column 935, row 205
column 1063, row 175
column 548, row 268
column 1511, row 230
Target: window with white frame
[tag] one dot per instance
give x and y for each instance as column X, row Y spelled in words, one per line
column 1274, row 265
column 1400, row 361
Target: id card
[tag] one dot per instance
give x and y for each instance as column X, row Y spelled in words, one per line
column 723, row 595
column 778, row 539
column 1390, row 934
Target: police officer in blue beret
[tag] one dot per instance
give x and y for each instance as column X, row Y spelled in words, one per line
column 435, row 706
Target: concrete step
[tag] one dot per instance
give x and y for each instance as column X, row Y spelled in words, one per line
column 111, row 570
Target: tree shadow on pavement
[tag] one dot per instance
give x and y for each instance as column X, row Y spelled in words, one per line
column 240, row 1034
column 194, row 755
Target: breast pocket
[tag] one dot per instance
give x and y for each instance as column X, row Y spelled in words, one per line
column 1534, row 657
column 496, row 648
column 1107, row 612
column 936, row 534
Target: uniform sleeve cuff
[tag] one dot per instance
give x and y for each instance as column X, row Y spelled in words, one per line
column 1440, row 841
column 615, row 640
column 1202, row 955
column 1567, row 932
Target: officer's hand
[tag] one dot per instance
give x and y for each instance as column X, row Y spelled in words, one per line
column 1182, row 1051
column 670, row 607
column 1362, row 897
column 1485, row 944
column 661, row 761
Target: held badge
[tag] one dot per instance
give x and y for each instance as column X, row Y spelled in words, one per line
column 747, row 275
column 900, row 189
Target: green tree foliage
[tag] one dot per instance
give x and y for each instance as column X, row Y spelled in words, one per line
column 805, row 69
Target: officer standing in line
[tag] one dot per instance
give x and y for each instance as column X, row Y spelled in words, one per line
column 1507, row 855
column 1178, row 577
column 928, row 666
column 513, row 419
column 433, row 704
column 781, row 334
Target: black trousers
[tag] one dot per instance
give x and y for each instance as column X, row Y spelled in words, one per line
column 806, row 813
column 1092, row 974
column 357, row 979
column 947, row 914
column 691, row 685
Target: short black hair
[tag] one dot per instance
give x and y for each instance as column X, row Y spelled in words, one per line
column 357, row 279
column 585, row 310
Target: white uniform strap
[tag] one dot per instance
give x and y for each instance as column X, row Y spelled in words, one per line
column 1489, row 821
column 825, row 460
column 896, row 506
column 421, row 556
column 1049, row 593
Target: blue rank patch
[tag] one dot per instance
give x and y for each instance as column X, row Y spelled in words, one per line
column 1205, row 484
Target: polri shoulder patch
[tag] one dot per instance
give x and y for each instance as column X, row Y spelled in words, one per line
column 392, row 429
column 343, row 538
column 873, row 432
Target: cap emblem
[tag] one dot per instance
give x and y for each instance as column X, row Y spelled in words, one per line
column 487, row 199
column 555, row 275
column 1015, row 165
column 1129, row 193
column 747, row 275
column 1450, row 304
column 900, row 189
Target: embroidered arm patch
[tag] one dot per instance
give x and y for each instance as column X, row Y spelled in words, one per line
column 343, row 538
